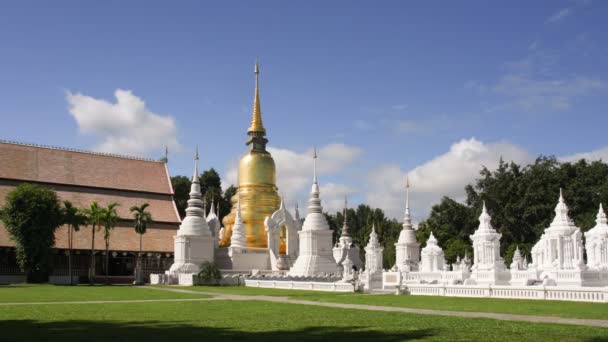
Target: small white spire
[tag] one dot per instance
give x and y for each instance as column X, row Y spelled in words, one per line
column 314, row 165
column 407, row 220
column 238, row 232
column 212, row 206
column 601, row 216
column 297, row 211
column 195, row 175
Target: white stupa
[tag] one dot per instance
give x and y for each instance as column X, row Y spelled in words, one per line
column 518, row 262
column 432, row 256
column 315, row 255
column 373, row 253
column 407, row 247
column 488, row 266
column 345, row 248
column 193, row 243
column 596, row 243
column 561, row 245
column 238, row 239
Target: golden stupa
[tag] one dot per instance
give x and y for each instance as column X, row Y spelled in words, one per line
column 256, row 183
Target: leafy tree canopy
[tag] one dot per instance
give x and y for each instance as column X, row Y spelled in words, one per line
column 31, row 215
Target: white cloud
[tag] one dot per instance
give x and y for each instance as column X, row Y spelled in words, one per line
column 599, row 154
column 532, row 94
column 560, row 15
column 362, row 125
column 295, row 172
column 408, row 126
column 445, row 175
column 125, row 127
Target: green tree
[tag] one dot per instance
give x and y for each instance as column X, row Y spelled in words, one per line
column 211, row 188
column 209, row 274
column 521, row 201
column 31, row 215
column 73, row 218
column 141, row 219
column 226, row 203
column 94, row 215
column 181, row 191
column 109, row 219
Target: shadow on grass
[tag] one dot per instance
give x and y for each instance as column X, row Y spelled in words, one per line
column 150, row 331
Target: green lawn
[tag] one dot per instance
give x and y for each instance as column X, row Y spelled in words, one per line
column 260, row 321
column 511, row 306
column 52, row 293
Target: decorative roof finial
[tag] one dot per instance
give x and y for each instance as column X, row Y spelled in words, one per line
column 195, row 176
column 256, row 117
column 166, row 153
column 315, row 165
column 345, row 228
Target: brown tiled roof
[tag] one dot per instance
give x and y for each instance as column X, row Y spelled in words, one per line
column 161, row 206
column 62, row 166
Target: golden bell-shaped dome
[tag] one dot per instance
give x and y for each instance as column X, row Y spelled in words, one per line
column 257, row 188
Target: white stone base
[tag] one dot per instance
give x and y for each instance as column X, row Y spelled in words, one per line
column 311, row 265
column 249, row 258
column 492, row 277
column 440, row 277
column 569, row 293
column 301, row 285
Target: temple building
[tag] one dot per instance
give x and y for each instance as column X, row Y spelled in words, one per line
column 345, row 250
column 558, row 255
column 257, row 188
column 432, row 257
column 315, row 256
column 488, row 266
column 83, row 177
column 596, row 243
column 407, row 247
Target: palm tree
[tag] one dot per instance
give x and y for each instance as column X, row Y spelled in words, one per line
column 141, row 219
column 93, row 214
column 109, row 218
column 73, row 218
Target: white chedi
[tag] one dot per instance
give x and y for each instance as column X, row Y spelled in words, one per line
column 238, row 239
column 518, row 262
column 596, row 243
column 561, row 246
column 486, row 245
column 193, row 243
column 432, row 256
column 407, row 248
column 345, row 249
column 315, row 255
column 373, row 253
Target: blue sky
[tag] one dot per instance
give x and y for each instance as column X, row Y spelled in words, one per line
column 433, row 89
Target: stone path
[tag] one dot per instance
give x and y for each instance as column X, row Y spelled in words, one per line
column 499, row 316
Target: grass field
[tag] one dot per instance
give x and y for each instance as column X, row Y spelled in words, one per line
column 242, row 320
column 51, row 293
column 510, row 306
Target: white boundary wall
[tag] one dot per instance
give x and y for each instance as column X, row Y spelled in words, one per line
column 569, row 293
column 300, row 285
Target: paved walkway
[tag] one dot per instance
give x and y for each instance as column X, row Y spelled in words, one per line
column 499, row 316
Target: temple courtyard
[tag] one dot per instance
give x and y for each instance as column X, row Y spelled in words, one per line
column 127, row 313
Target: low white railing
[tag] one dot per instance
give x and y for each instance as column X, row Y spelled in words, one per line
column 569, row 293
column 300, row 285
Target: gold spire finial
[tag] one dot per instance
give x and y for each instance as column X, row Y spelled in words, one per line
column 256, row 117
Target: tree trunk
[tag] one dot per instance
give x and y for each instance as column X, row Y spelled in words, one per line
column 70, row 253
column 92, row 264
column 138, row 273
column 107, row 259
